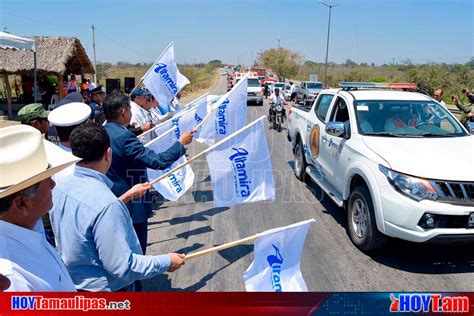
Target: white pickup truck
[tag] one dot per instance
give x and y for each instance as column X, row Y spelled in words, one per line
column 399, row 163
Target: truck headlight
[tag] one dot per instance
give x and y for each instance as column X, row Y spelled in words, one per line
column 415, row 188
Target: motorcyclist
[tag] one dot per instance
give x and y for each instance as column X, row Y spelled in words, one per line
column 266, row 90
column 277, row 98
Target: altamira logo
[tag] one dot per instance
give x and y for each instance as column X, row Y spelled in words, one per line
column 275, row 262
column 242, row 182
column 221, row 125
column 162, row 70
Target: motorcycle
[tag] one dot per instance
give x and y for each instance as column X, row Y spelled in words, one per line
column 276, row 116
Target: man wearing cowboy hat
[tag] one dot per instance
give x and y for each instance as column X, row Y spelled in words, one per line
column 26, row 165
column 89, row 219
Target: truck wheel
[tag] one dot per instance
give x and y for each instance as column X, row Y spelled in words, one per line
column 361, row 221
column 300, row 162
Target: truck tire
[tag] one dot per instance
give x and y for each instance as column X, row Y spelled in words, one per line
column 300, row 162
column 361, row 221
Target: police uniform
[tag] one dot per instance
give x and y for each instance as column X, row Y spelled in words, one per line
column 97, row 113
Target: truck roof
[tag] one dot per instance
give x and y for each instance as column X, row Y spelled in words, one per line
column 383, row 94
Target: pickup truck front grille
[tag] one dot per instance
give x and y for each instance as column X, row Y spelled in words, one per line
column 252, row 94
column 460, row 193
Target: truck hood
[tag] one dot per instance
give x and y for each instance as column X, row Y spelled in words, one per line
column 450, row 158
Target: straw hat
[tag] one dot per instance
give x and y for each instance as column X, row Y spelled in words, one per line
column 27, row 158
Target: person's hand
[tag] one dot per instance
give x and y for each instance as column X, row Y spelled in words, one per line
column 147, row 126
column 187, row 137
column 177, row 260
column 4, row 283
column 470, row 114
column 138, row 190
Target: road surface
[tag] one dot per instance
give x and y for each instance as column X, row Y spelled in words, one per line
column 329, row 261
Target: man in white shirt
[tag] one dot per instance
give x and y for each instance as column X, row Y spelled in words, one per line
column 141, row 115
column 26, row 258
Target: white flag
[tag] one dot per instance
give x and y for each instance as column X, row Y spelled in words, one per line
column 177, row 183
column 241, row 169
column 230, row 116
column 276, row 266
column 163, row 79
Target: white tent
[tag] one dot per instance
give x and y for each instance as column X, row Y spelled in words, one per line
column 16, row 42
column 9, row 41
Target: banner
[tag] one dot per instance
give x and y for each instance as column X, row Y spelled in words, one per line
column 177, row 183
column 276, row 266
column 163, row 79
column 230, row 114
column 241, row 168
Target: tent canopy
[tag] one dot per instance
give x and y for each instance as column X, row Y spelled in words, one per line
column 16, row 42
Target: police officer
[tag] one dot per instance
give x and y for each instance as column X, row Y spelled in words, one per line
column 97, row 99
column 35, row 115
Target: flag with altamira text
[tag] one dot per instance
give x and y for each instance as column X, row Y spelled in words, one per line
column 163, row 79
column 230, row 114
column 241, row 168
column 176, row 184
column 276, row 266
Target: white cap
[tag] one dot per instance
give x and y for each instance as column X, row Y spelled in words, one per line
column 69, row 114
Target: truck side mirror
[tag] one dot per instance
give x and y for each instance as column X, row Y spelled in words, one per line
column 335, row 129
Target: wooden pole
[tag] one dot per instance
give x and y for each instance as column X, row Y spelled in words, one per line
column 9, row 95
column 222, row 247
column 205, row 151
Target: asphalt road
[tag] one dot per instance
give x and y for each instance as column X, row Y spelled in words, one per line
column 329, row 261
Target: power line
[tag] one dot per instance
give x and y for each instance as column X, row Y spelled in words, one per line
column 42, row 22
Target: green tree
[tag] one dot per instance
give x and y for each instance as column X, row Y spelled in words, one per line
column 283, row 62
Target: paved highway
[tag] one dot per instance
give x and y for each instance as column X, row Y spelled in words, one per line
column 329, row 261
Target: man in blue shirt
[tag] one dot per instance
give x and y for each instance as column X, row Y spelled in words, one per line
column 130, row 160
column 93, row 229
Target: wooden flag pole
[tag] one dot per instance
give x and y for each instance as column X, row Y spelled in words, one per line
column 245, row 240
column 205, row 151
column 141, row 80
column 218, row 103
column 160, row 137
column 222, row 247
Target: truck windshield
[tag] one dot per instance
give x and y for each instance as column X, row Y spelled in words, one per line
column 314, row 85
column 406, row 119
column 253, row 82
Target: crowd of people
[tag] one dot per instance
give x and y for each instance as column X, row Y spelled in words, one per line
column 74, row 215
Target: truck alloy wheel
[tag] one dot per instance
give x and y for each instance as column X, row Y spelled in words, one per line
column 361, row 221
column 300, row 163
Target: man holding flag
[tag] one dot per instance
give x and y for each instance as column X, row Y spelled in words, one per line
column 131, row 158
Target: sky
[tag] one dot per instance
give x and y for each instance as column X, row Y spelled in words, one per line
column 372, row 31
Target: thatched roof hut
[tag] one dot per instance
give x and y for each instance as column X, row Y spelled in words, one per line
column 55, row 55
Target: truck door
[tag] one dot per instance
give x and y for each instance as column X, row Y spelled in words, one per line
column 317, row 135
column 333, row 149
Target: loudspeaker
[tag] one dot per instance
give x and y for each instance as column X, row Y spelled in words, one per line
column 111, row 85
column 129, row 84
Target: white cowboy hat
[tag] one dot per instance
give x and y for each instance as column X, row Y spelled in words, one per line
column 27, row 158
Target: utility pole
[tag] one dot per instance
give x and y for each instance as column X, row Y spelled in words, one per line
column 327, row 43
column 278, row 43
column 93, row 47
